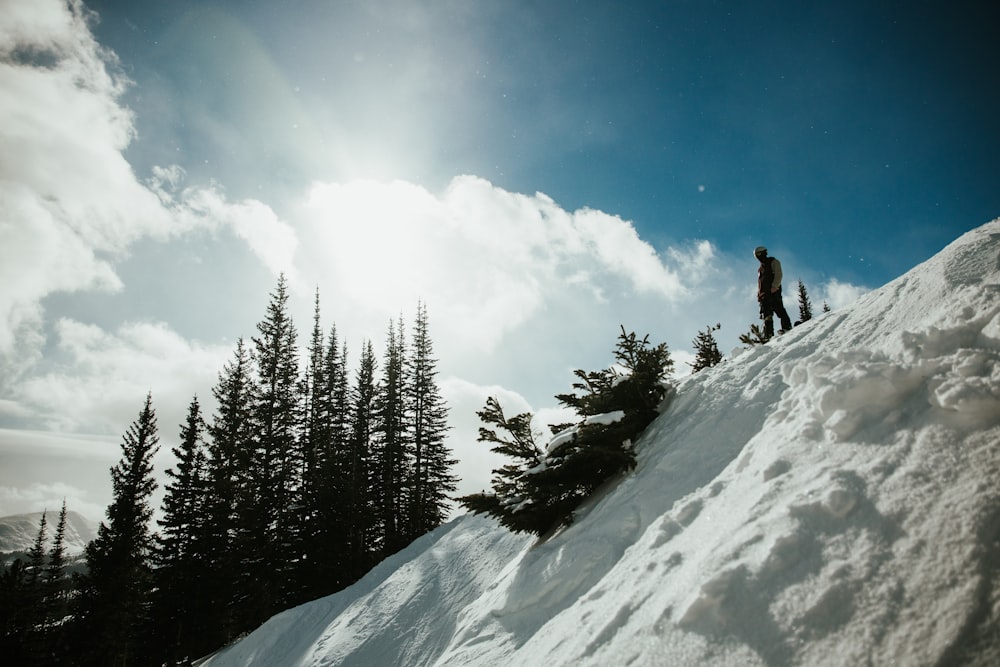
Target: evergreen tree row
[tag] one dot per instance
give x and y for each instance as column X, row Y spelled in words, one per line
column 34, row 601
column 301, row 481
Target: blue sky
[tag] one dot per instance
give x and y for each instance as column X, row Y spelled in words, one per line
column 807, row 124
column 536, row 173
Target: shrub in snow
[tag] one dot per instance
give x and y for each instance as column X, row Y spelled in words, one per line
column 753, row 337
column 707, row 352
column 805, row 305
column 541, row 487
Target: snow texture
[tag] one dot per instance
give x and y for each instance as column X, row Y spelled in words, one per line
column 561, row 438
column 569, row 434
column 830, row 498
column 605, row 419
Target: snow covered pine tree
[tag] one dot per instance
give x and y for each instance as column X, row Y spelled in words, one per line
column 540, row 491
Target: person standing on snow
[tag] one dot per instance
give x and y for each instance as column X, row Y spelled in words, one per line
column 769, row 292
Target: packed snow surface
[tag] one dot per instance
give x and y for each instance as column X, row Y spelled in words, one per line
column 830, row 498
column 569, row 434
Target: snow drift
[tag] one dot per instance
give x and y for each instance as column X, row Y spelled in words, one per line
column 830, row 498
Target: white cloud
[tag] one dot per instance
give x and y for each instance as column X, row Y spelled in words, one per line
column 35, row 467
column 520, row 291
column 48, row 496
column 620, row 251
column 695, row 263
column 487, row 260
column 838, row 294
column 682, row 362
column 271, row 239
column 102, row 377
column 69, row 198
column 72, row 205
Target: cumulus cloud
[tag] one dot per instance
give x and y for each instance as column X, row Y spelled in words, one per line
column 696, row 262
column 837, row 294
column 520, row 291
column 271, row 239
column 487, row 259
column 64, row 185
column 101, row 378
column 72, row 206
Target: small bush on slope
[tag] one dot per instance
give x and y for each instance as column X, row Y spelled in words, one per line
column 707, row 352
column 540, row 489
column 753, row 337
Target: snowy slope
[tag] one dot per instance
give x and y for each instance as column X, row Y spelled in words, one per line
column 831, row 498
column 19, row 532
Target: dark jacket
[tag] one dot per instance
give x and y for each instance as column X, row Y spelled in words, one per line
column 768, row 277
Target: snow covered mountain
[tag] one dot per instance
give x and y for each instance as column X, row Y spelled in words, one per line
column 831, row 498
column 18, row 532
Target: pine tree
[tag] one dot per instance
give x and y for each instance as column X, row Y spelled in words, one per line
column 55, row 571
column 805, row 307
column 634, row 390
column 272, row 548
column 36, row 555
column 183, row 546
column 390, row 443
column 316, row 445
column 636, row 385
column 512, row 487
column 229, row 476
column 339, row 395
column 706, row 349
column 55, row 600
column 28, row 604
column 185, row 497
column 14, row 612
column 433, row 480
column 360, row 520
column 541, row 490
column 116, row 588
column 754, row 337
column 332, row 569
column 34, row 603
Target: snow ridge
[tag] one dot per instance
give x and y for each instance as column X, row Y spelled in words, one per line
column 830, row 498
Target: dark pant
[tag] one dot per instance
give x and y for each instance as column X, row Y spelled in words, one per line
column 771, row 305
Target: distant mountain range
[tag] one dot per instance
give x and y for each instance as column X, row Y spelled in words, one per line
column 19, row 531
